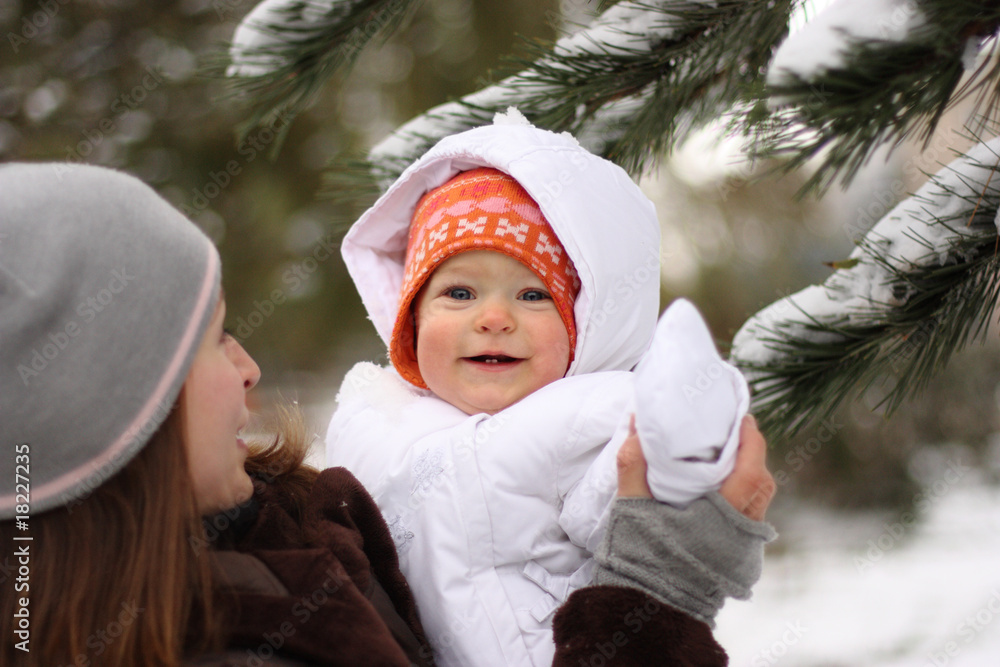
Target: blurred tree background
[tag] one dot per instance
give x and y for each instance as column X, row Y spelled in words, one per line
column 121, row 83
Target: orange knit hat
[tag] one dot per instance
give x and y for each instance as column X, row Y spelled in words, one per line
column 481, row 209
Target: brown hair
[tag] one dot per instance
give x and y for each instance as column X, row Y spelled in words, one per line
column 115, row 578
column 112, row 578
column 282, row 462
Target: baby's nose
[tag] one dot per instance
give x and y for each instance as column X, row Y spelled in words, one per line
column 495, row 316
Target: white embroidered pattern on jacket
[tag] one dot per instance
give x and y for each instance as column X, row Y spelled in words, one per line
column 400, row 535
column 426, row 469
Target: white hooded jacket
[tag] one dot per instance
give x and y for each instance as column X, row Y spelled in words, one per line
column 495, row 517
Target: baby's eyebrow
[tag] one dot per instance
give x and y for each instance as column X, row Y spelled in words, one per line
column 454, row 274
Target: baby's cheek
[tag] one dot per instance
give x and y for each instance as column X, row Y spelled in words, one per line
column 562, row 354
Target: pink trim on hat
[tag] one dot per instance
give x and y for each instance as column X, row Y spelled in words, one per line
column 152, row 405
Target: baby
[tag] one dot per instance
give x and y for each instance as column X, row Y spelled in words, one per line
column 515, row 279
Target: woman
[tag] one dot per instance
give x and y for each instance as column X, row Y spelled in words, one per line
column 122, row 405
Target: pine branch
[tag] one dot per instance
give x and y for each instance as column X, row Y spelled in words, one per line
column 883, row 92
column 951, row 308
column 286, row 50
column 629, row 87
column 923, row 284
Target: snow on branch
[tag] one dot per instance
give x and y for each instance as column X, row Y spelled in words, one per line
column 922, row 282
column 626, row 31
column 824, row 43
column 867, row 73
column 284, row 51
column 629, row 86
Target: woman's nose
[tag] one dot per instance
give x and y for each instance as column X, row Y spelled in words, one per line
column 248, row 368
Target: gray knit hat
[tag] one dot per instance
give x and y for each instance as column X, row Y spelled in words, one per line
column 105, row 294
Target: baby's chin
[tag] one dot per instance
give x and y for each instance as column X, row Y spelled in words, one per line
column 483, row 399
column 488, row 407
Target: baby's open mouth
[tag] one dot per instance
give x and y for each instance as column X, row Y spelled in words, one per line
column 494, row 359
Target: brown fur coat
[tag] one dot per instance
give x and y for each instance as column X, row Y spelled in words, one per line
column 318, row 583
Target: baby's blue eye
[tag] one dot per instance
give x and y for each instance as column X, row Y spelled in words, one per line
column 534, row 295
column 459, row 293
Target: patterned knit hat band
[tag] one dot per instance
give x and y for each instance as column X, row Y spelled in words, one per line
column 481, row 209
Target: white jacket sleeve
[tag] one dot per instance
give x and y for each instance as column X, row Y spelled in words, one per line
column 588, row 476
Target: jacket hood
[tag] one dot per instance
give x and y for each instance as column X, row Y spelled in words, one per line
column 603, row 220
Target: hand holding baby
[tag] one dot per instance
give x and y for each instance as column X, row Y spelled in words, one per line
column 749, row 488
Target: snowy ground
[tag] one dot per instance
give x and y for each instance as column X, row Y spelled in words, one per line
column 849, row 590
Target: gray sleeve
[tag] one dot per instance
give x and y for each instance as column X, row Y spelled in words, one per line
column 690, row 559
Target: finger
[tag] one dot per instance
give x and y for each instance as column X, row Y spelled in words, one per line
column 752, row 450
column 632, row 469
column 750, row 487
column 756, row 506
